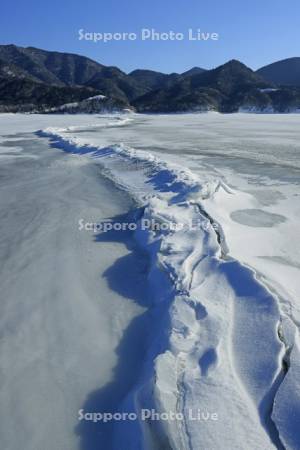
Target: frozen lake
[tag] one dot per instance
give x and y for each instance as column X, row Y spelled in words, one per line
column 119, row 321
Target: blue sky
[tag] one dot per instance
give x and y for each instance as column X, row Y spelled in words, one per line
column 256, row 32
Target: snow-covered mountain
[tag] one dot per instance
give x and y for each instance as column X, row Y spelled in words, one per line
column 34, row 80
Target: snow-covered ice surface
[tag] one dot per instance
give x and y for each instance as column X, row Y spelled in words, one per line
column 208, row 302
column 69, row 315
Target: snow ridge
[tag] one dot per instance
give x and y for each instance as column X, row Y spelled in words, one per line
column 215, row 347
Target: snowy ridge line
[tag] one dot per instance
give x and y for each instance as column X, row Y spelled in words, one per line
column 173, row 178
column 216, row 345
column 181, row 344
column 117, row 122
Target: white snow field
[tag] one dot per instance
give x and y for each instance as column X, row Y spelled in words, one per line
column 196, row 318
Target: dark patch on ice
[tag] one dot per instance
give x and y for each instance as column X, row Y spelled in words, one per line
column 207, row 361
column 267, row 197
column 200, row 310
column 257, row 218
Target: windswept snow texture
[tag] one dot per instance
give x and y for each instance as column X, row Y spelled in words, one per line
column 216, row 338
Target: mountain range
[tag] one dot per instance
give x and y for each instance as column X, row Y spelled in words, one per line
column 37, row 80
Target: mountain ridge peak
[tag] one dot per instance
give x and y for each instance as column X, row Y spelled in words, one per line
column 31, row 75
